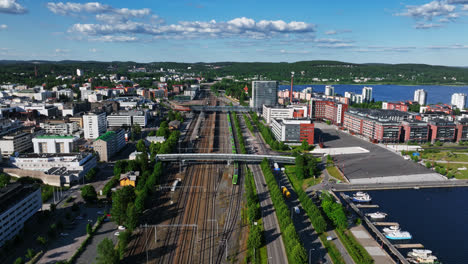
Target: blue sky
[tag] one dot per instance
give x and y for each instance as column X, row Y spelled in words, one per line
column 432, row 32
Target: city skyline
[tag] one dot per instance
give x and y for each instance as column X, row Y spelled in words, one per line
column 206, row 31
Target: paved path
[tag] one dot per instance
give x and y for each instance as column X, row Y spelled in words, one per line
column 107, row 230
column 373, row 248
column 344, row 253
column 274, row 241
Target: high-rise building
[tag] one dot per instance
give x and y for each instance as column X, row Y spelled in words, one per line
column 79, row 72
column 459, row 100
column 420, row 96
column 329, row 90
column 367, row 94
column 264, row 93
column 94, row 125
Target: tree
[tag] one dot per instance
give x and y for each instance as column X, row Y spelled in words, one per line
column 120, row 201
column 88, row 193
column 136, row 130
column 4, row 179
column 140, row 146
column 41, row 240
column 305, row 145
column 132, row 216
column 106, row 254
column 124, row 238
column 89, row 229
column 19, row 261
column 30, row 253
column 255, row 237
column 299, row 254
column 91, row 174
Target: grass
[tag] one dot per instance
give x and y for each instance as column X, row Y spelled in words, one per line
column 304, row 184
column 335, row 173
column 446, row 155
column 453, row 168
column 332, row 250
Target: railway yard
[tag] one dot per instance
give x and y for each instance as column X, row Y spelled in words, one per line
column 198, row 222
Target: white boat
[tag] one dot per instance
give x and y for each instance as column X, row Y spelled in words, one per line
column 391, row 229
column 424, row 260
column 361, row 197
column 398, row 235
column 377, row 215
column 419, row 253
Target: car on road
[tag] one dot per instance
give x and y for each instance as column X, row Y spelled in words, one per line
column 122, row 228
column 100, row 213
column 329, row 238
column 297, row 210
column 79, row 217
column 116, row 233
column 63, row 234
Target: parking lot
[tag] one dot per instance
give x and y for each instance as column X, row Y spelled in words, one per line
column 378, row 162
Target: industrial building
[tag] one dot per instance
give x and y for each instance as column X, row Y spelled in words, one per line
column 293, row 130
column 264, row 93
column 18, row 203
column 109, row 144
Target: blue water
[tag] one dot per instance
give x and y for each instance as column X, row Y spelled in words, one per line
column 437, row 218
column 435, row 94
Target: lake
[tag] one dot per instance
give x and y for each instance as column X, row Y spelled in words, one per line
column 435, row 94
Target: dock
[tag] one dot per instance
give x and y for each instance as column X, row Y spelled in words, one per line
column 409, row 246
column 385, row 223
column 374, row 229
column 367, row 205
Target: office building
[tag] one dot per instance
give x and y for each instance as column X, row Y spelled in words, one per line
column 128, row 118
column 18, row 203
column 94, row 125
column 264, row 93
column 420, row 96
column 415, row 131
column 15, row 142
column 367, row 94
column 329, row 90
column 459, row 100
column 109, row 144
column 293, row 130
column 60, row 128
column 54, row 144
column 293, row 111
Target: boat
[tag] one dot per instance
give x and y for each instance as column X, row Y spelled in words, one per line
column 377, row 215
column 419, row 253
column 391, row 229
column 361, row 197
column 398, row 235
column 422, row 256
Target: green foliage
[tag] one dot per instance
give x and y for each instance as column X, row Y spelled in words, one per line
column 120, row 201
column 136, row 131
column 354, row 248
column 88, row 193
column 140, row 146
column 30, row 253
column 282, row 212
column 4, row 179
column 89, row 229
column 248, row 123
column 332, row 250
column 132, row 216
column 334, row 211
column 368, row 105
column 438, row 143
column 124, row 239
column 19, row 261
column 91, row 174
column 41, row 240
column 106, row 253
column 414, row 108
column 239, row 136
column 255, row 237
column 306, row 166
column 231, row 88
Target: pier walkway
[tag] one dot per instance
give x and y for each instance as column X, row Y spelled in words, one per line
column 372, row 247
column 399, row 185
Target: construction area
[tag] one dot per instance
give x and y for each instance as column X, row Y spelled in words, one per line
column 195, row 215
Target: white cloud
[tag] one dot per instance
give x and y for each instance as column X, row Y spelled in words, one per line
column 458, row 1
column 109, row 38
column 332, row 41
column 11, row 7
column 335, row 45
column 3, row 26
column 426, row 25
column 429, row 11
column 334, row 32
column 61, row 51
column 70, row 8
column 294, row 51
column 465, row 8
column 93, row 50
column 454, row 46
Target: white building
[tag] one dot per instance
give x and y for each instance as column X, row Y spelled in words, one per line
column 353, row 97
column 79, row 72
column 155, row 139
column 60, row 128
column 270, row 113
column 128, row 118
column 367, row 94
column 54, row 144
column 292, row 130
column 16, row 142
column 420, row 96
column 65, row 93
column 94, row 125
column 17, row 204
column 459, row 100
column 329, row 90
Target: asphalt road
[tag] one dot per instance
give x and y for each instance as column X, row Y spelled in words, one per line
column 274, row 242
column 107, row 230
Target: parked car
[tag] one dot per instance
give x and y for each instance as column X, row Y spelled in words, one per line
column 116, row 233
column 63, row 234
column 297, row 210
column 122, row 228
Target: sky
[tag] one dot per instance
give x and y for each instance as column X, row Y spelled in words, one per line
column 359, row 31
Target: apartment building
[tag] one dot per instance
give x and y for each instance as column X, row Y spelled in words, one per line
column 128, row 118
column 414, row 130
column 441, row 130
column 94, row 125
column 54, row 144
column 60, row 128
column 15, row 142
column 109, row 144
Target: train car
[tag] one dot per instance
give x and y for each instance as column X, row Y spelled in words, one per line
column 277, row 168
column 235, row 176
column 285, row 192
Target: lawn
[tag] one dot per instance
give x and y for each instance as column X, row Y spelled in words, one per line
column 335, row 173
column 446, row 155
column 306, row 183
column 452, row 167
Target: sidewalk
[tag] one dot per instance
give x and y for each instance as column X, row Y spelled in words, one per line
column 377, row 253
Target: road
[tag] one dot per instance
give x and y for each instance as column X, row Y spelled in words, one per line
column 107, row 230
column 274, row 242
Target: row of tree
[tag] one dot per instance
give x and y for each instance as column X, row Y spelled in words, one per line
column 267, row 134
column 248, row 123
column 336, row 213
column 255, row 239
column 240, row 138
column 306, row 166
column 294, row 248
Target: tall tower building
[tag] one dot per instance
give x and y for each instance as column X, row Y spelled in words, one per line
column 420, row 96
column 264, row 93
column 329, row 90
column 94, row 125
column 367, row 94
column 459, row 100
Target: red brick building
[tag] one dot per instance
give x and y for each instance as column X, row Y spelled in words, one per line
column 414, row 130
column 441, row 130
column 328, row 110
column 307, row 133
column 462, row 130
column 400, row 106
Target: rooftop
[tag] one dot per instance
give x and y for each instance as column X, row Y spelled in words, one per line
column 54, row 137
column 106, row 136
column 13, row 193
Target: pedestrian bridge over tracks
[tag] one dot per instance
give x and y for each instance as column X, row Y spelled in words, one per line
column 250, row 158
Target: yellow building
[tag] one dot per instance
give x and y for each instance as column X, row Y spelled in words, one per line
column 129, row 178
